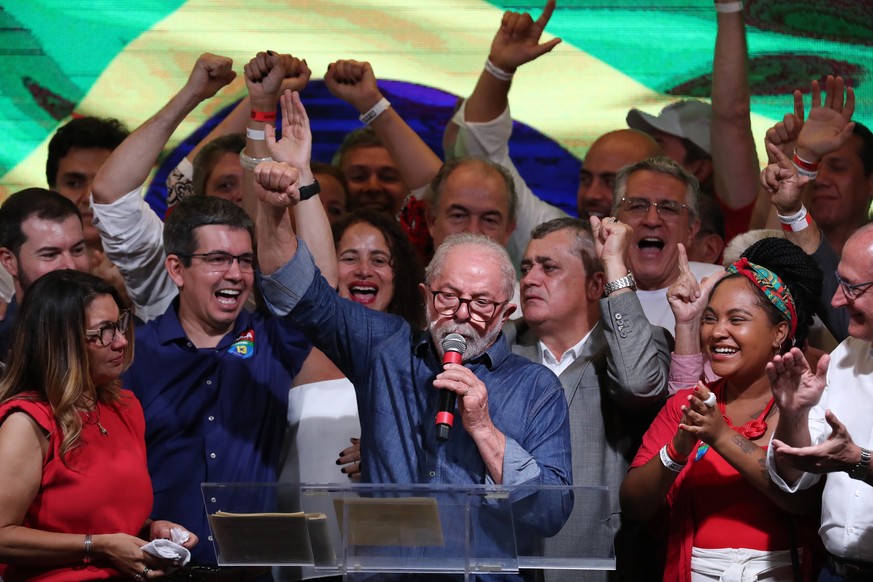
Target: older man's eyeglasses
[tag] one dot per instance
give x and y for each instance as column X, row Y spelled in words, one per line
column 219, row 262
column 105, row 334
column 852, row 290
column 480, row 309
column 668, row 210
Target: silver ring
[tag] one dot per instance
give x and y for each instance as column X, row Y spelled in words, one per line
column 145, row 571
column 710, row 400
column 614, row 219
column 138, row 577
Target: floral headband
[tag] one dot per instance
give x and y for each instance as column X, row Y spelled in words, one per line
column 772, row 287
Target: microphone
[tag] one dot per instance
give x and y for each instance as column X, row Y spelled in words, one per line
column 454, row 345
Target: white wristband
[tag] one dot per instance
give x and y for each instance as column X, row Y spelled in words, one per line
column 670, row 463
column 800, row 214
column 249, row 163
column 497, row 71
column 728, row 7
column 375, row 111
column 256, row 134
column 796, row 222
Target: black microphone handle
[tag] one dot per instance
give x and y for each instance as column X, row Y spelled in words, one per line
column 447, row 402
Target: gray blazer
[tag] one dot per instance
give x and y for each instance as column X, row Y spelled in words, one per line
column 614, row 389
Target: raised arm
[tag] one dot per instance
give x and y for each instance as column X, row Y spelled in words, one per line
column 294, row 148
column 639, row 353
column 130, row 163
column 517, row 42
column 734, row 158
column 179, row 181
column 355, row 83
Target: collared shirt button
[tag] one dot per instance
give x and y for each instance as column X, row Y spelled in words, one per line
column 209, row 382
column 618, row 315
column 432, row 473
column 211, row 455
column 622, row 334
column 190, row 345
column 211, row 418
column 213, row 500
column 209, row 538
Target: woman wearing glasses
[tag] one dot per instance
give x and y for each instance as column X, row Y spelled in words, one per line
column 702, row 461
column 75, row 493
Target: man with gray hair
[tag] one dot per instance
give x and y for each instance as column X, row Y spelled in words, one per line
column 657, row 198
column 514, row 428
column 612, row 363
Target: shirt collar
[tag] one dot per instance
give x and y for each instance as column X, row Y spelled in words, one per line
column 574, row 351
column 170, row 328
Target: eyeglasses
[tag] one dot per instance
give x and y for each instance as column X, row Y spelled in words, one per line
column 376, row 261
column 668, row 210
column 480, row 309
column 852, row 290
column 106, row 333
column 219, row 262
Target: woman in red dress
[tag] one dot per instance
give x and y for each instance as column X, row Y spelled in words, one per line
column 75, row 493
column 703, row 459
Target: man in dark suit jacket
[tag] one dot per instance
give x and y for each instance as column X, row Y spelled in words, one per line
column 582, row 319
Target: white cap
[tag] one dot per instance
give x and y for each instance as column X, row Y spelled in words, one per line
column 685, row 119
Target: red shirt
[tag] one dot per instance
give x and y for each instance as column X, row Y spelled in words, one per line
column 710, row 504
column 105, row 489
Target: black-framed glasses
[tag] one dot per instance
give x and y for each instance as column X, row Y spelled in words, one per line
column 219, row 262
column 479, row 308
column 668, row 210
column 106, row 333
column 852, row 290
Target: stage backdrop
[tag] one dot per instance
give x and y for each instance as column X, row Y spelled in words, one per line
column 125, row 59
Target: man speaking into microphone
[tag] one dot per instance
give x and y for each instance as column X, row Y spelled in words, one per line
column 513, row 425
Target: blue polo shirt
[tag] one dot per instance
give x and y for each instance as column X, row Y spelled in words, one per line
column 213, row 414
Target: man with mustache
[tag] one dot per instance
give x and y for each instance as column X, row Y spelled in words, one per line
column 507, row 434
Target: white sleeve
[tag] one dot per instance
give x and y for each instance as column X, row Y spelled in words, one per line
column 490, row 139
column 819, row 430
column 132, row 236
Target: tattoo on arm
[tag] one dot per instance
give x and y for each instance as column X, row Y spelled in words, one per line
column 744, row 445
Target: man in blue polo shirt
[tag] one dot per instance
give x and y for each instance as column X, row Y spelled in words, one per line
column 212, row 378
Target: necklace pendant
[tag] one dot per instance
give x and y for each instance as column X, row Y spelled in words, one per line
column 103, row 431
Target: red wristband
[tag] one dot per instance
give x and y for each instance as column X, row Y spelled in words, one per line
column 802, row 164
column 263, row 116
column 674, row 455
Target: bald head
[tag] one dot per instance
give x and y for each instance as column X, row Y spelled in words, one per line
column 608, row 154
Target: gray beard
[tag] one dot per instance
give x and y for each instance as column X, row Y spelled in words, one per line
column 476, row 344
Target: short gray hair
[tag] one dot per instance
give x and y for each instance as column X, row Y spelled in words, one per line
column 481, row 245
column 582, row 244
column 658, row 165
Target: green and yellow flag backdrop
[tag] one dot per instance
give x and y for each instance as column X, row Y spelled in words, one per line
column 124, row 59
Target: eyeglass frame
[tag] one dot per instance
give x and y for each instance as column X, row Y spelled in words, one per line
column 495, row 305
column 657, row 205
column 852, row 290
column 126, row 315
column 225, row 256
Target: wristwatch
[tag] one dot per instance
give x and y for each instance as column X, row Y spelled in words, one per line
column 307, row 192
column 624, row 283
column 860, row 470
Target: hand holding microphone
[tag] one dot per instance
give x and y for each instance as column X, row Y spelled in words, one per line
column 454, row 345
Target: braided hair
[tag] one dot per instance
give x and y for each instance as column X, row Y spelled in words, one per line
column 799, row 273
